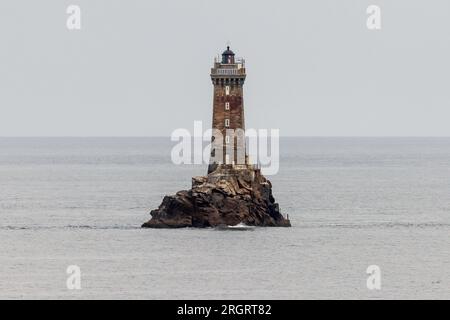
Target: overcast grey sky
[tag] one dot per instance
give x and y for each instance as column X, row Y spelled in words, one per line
column 141, row 67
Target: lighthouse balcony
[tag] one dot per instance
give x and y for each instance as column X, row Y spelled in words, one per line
column 228, row 71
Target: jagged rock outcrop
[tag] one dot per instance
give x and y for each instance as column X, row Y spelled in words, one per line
column 227, row 196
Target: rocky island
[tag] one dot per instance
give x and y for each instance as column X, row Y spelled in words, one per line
column 226, row 196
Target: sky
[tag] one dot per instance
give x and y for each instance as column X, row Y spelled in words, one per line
column 141, row 68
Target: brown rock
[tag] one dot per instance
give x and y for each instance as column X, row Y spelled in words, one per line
column 226, row 196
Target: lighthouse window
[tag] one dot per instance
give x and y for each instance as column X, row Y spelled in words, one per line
column 227, row 90
column 227, row 106
column 227, row 123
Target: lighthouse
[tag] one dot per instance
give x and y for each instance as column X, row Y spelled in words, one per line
column 234, row 191
column 228, row 138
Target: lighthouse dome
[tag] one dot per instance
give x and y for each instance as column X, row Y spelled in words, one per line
column 228, row 56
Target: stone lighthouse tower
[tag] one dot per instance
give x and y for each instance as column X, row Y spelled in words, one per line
column 228, row 146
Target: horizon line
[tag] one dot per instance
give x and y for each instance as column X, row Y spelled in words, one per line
column 281, row 136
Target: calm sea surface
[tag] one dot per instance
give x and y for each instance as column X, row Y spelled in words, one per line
column 353, row 202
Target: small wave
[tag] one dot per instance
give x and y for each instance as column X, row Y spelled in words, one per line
column 69, row 227
column 115, row 227
column 375, row 225
column 238, row 227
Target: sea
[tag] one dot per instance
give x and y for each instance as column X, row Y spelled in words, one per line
column 370, row 220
